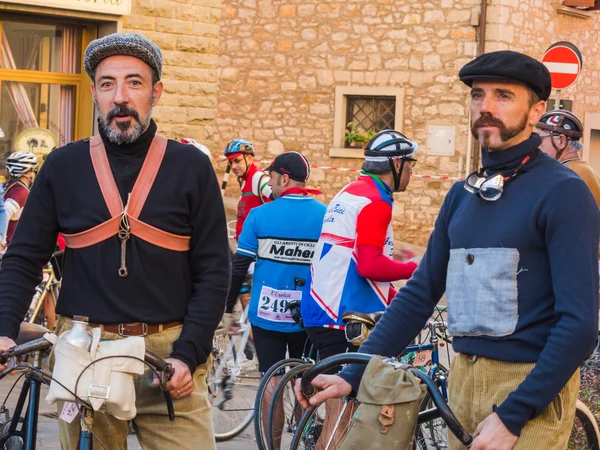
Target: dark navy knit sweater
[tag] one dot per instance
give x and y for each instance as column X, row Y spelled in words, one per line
column 548, row 214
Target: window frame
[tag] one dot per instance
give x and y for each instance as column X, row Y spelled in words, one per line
column 337, row 149
column 84, row 110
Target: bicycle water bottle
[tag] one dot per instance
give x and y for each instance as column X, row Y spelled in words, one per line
column 78, row 336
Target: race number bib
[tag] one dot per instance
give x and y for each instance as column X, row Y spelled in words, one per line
column 273, row 304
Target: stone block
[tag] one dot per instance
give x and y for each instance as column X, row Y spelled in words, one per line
column 287, row 11
column 285, row 45
column 136, row 22
column 434, row 16
column 412, row 19
column 194, row 44
column 432, row 62
column 461, row 16
column 174, row 26
column 164, row 41
column 341, row 76
column 309, row 34
column 246, row 13
column 446, row 46
column 358, row 77
column 207, row 29
column 324, row 77
column 415, row 62
column 307, row 82
column 306, row 10
column 320, row 109
column 374, row 61
column 288, row 86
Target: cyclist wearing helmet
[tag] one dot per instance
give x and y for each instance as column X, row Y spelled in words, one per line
column 254, row 183
column 22, row 167
column 560, row 131
column 353, row 266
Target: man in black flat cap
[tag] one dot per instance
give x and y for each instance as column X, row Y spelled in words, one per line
column 522, row 289
column 147, row 250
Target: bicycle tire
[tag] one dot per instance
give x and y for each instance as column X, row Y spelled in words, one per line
column 231, row 415
column 259, row 433
column 431, row 435
column 309, row 429
column 585, row 434
column 281, row 392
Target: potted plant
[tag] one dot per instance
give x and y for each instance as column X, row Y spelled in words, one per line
column 356, row 137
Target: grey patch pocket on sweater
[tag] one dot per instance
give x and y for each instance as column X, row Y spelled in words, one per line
column 481, row 290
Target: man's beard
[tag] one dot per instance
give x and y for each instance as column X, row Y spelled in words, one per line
column 505, row 132
column 122, row 135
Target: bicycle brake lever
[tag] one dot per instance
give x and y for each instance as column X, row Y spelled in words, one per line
column 165, row 375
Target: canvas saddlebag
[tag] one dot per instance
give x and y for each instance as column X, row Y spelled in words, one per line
column 389, row 407
column 108, row 384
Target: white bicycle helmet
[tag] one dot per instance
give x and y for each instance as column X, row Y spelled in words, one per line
column 388, row 145
column 20, row 163
column 203, row 148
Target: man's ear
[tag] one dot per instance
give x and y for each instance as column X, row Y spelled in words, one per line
column 536, row 112
column 157, row 92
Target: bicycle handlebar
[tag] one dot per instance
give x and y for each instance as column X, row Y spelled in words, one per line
column 43, row 344
column 308, row 390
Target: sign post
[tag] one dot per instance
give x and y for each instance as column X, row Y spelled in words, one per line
column 564, row 61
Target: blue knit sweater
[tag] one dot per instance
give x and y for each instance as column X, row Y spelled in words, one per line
column 548, row 218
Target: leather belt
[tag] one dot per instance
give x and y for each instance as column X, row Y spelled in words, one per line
column 135, row 329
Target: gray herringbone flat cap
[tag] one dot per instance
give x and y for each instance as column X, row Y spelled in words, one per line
column 114, row 44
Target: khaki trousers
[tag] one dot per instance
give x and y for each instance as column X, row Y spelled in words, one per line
column 474, row 387
column 191, row 430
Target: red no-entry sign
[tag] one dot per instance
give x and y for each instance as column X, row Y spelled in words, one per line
column 564, row 62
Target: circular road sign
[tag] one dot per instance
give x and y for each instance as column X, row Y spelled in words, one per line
column 564, row 61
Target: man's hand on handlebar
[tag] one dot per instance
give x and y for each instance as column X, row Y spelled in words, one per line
column 181, row 383
column 5, row 344
column 331, row 386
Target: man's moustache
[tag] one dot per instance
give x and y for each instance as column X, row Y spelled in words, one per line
column 122, row 111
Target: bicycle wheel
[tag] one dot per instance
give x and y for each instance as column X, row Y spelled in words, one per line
column 314, row 429
column 232, row 385
column 285, row 411
column 431, row 435
column 585, row 434
column 264, row 393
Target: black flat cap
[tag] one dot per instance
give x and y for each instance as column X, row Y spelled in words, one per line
column 511, row 66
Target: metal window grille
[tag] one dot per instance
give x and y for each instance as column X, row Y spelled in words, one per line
column 373, row 113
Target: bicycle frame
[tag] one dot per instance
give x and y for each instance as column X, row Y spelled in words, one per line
column 40, row 294
column 433, row 372
column 32, row 387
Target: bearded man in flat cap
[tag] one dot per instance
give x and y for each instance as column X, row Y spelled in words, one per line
column 521, row 287
column 147, row 251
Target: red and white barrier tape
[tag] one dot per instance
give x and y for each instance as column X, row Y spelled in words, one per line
column 343, row 169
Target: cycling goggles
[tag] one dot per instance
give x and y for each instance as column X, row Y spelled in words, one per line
column 491, row 188
column 488, row 188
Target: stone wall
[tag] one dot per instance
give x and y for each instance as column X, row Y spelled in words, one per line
column 280, row 62
column 187, row 32
column 531, row 26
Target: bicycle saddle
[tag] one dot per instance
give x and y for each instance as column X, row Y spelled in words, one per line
column 368, row 318
column 30, row 332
